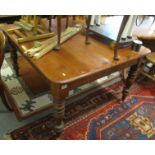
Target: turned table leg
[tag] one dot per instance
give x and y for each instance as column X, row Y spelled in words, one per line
column 130, row 79
column 58, row 33
column 59, row 95
column 67, row 21
column 59, row 106
column 87, row 29
column 50, row 23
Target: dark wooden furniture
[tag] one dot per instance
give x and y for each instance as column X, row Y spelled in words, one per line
column 9, row 19
column 76, row 64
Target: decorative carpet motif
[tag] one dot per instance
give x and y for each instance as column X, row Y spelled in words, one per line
column 100, row 116
column 26, row 102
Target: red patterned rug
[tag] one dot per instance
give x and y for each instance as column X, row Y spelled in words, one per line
column 100, row 116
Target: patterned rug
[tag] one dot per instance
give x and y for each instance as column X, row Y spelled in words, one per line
column 100, row 116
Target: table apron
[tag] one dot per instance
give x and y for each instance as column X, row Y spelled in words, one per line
column 92, row 77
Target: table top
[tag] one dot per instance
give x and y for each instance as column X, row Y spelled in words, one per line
column 76, row 60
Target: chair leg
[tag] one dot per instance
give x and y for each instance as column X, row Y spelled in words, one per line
column 2, row 95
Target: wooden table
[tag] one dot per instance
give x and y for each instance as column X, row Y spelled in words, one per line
column 76, row 64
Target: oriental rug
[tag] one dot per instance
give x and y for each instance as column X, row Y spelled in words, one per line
column 100, row 116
